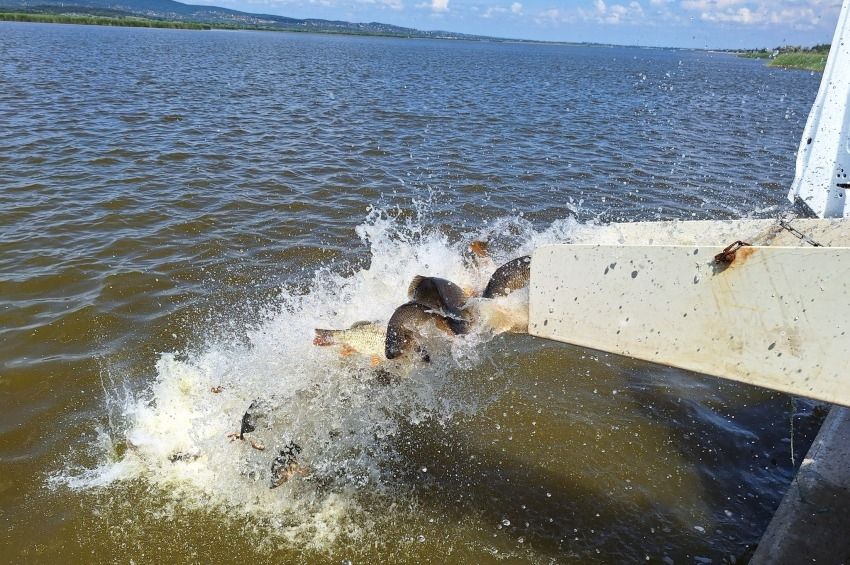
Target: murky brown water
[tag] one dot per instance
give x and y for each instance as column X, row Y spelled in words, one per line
column 215, row 196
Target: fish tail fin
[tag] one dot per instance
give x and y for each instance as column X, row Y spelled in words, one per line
column 324, row 337
column 411, row 288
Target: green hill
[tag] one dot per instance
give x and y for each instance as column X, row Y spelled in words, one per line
column 128, row 12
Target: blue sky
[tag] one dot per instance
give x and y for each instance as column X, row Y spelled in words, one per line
column 672, row 23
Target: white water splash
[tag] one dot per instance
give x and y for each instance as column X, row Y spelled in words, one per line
column 176, row 434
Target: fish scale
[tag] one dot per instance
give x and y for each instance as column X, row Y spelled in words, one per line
column 366, row 338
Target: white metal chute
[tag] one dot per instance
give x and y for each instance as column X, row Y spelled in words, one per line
column 822, row 179
column 777, row 317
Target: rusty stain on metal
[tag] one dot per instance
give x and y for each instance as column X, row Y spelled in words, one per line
column 743, row 254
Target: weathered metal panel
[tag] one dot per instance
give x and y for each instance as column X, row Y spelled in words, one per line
column 822, row 180
column 777, row 317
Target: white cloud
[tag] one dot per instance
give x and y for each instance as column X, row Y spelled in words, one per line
column 614, row 14
column 799, row 14
column 515, row 8
column 552, row 16
column 439, row 5
column 601, row 13
column 711, row 4
column 664, row 12
column 392, row 4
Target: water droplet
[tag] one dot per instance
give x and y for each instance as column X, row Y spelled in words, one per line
column 421, row 538
column 506, row 522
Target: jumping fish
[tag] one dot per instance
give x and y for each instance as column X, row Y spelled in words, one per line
column 407, row 324
column 249, row 419
column 511, row 276
column 285, row 466
column 440, row 295
column 256, row 413
column 365, row 338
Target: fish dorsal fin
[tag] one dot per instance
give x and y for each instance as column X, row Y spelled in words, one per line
column 411, row 289
column 361, row 323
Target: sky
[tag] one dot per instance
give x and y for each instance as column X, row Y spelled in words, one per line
column 662, row 23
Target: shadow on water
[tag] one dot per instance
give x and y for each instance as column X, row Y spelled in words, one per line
column 588, row 457
column 536, row 512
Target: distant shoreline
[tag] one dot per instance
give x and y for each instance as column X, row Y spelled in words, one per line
column 129, row 20
column 812, row 59
column 82, row 19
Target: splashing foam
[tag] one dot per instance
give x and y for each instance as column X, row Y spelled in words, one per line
column 176, row 436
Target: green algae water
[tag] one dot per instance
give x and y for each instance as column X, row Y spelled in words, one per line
column 179, row 210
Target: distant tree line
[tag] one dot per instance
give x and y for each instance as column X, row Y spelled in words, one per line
column 792, row 56
column 820, row 48
column 125, row 21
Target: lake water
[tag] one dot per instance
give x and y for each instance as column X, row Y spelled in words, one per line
column 179, row 210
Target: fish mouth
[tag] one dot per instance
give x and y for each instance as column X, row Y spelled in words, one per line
column 396, row 348
column 398, row 341
column 393, row 351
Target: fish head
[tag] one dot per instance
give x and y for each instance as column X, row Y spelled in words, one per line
column 399, row 341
